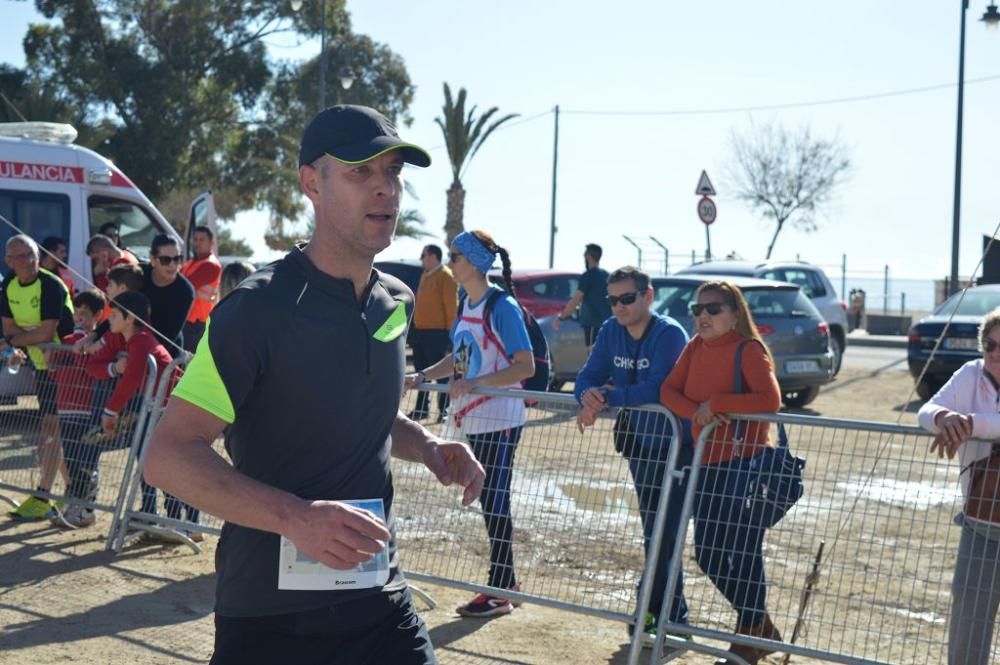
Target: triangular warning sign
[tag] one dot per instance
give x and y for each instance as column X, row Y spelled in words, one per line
column 704, row 187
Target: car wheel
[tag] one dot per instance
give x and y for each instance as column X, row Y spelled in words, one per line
column 838, row 353
column 796, row 399
column 926, row 389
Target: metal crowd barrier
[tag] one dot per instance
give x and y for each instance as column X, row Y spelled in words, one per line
column 21, row 433
column 133, row 522
column 577, row 537
column 859, row 570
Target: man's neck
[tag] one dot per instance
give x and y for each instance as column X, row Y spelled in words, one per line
column 202, row 257
column 592, row 264
column 433, row 268
column 25, row 282
column 332, row 259
column 159, row 280
column 639, row 327
column 129, row 332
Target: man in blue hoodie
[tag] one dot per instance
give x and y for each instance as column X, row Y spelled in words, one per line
column 632, row 355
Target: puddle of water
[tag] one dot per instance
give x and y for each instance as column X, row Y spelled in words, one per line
column 904, row 494
column 929, row 617
column 587, row 496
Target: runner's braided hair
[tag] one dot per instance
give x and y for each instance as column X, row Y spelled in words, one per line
column 490, row 244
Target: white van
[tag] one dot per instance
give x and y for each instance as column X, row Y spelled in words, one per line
column 51, row 187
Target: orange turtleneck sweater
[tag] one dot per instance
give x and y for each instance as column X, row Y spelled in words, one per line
column 704, row 373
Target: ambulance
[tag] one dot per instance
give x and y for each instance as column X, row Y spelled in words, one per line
column 51, row 187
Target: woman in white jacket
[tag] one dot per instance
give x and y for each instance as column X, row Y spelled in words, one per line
column 964, row 415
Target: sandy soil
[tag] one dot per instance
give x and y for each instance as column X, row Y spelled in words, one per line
column 882, row 594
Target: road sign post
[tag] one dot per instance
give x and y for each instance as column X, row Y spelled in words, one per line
column 707, row 212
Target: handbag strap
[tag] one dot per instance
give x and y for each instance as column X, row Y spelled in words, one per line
column 738, row 388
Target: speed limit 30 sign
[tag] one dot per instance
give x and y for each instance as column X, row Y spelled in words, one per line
column 707, row 210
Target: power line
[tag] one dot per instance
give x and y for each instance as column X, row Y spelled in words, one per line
column 788, row 105
column 509, row 125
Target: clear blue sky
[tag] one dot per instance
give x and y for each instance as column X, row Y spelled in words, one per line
column 635, row 174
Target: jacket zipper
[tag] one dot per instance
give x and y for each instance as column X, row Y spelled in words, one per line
column 368, row 344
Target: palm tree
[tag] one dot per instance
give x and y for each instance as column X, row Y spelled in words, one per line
column 464, row 134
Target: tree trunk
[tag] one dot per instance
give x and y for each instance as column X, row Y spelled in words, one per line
column 774, row 239
column 453, row 223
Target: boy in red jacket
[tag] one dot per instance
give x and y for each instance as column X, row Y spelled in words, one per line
column 124, row 356
column 74, row 395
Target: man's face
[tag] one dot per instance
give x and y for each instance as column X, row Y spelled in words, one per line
column 22, row 259
column 57, row 258
column 429, row 260
column 629, row 314
column 99, row 260
column 202, row 244
column 356, row 204
column 166, row 262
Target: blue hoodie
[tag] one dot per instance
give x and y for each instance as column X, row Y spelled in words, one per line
column 612, row 357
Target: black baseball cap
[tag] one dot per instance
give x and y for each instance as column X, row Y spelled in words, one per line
column 355, row 134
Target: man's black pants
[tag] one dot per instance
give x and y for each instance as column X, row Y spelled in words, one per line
column 429, row 346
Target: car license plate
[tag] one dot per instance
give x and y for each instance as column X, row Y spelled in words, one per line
column 961, row 343
column 801, row 366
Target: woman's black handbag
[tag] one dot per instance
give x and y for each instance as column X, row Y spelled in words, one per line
column 624, row 431
column 624, row 434
column 774, row 478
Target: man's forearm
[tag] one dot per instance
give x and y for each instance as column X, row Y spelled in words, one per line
column 196, row 474
column 410, row 440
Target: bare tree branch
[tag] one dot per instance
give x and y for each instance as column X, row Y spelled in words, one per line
column 787, row 176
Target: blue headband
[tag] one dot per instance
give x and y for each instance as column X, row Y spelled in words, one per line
column 474, row 251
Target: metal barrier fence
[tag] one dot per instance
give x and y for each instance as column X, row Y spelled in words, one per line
column 188, row 526
column 879, row 506
column 570, row 529
column 880, row 510
column 89, row 468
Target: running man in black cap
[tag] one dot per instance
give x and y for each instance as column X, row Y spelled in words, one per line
column 305, row 363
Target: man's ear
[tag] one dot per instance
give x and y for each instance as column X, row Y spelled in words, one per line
column 309, row 180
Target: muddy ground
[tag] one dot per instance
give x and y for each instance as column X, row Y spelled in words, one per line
column 880, row 505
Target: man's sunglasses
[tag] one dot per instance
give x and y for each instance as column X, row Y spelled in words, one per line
column 712, row 308
column 989, row 346
column 625, row 298
column 167, row 260
column 454, row 255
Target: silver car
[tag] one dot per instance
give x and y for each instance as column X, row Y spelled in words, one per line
column 814, row 282
column 792, row 328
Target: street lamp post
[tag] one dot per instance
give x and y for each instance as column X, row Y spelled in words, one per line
column 346, row 76
column 990, row 18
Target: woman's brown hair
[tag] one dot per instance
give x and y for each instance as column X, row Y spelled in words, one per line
column 733, row 296
column 490, row 244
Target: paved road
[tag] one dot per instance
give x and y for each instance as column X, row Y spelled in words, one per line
column 872, row 357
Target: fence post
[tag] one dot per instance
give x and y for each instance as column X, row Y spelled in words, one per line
column 885, row 291
column 843, row 275
column 902, row 303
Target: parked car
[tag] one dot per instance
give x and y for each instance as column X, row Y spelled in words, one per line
column 961, row 343
column 407, row 270
column 792, row 327
column 542, row 292
column 814, row 282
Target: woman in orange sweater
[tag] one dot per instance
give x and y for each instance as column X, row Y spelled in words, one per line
column 703, row 388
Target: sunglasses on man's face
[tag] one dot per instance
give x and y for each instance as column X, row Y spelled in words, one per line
column 712, row 308
column 625, row 298
column 454, row 255
column 167, row 260
column 989, row 346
